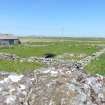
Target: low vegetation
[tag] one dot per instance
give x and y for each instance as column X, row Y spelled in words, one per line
column 97, row 66
column 57, row 48
column 18, row 67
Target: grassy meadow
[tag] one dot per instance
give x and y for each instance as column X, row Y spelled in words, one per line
column 57, row 48
column 18, row 67
column 97, row 66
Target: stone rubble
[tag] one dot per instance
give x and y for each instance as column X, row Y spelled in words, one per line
column 48, row 61
column 72, row 56
column 89, row 58
column 7, row 56
column 61, row 84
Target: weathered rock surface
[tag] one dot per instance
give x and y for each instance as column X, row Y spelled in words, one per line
column 61, row 84
column 11, row 57
column 89, row 58
column 7, row 56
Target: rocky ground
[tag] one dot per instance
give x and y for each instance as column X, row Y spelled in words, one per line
column 88, row 59
column 63, row 83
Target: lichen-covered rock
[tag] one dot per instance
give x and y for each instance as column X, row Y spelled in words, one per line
column 61, row 84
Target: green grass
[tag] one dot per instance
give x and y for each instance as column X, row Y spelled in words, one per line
column 57, row 48
column 57, row 39
column 97, row 66
column 18, row 67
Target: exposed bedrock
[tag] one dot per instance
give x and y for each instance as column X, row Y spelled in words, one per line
column 62, row 84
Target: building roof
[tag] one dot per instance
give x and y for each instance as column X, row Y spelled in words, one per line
column 8, row 37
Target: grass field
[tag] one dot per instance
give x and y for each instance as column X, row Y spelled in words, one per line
column 94, row 41
column 18, row 67
column 97, row 66
column 57, row 48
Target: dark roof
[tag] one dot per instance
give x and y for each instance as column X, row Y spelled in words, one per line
column 8, row 37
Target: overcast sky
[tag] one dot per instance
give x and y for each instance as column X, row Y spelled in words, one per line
column 53, row 17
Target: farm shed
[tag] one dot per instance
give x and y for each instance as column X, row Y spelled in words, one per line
column 8, row 40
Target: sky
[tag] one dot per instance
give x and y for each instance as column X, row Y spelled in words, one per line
column 71, row 18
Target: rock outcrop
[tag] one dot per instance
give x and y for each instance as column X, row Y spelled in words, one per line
column 61, row 84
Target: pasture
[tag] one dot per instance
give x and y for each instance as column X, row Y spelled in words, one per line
column 97, row 66
column 18, row 67
column 57, row 48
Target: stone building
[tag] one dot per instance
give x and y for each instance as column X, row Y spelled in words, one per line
column 9, row 40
